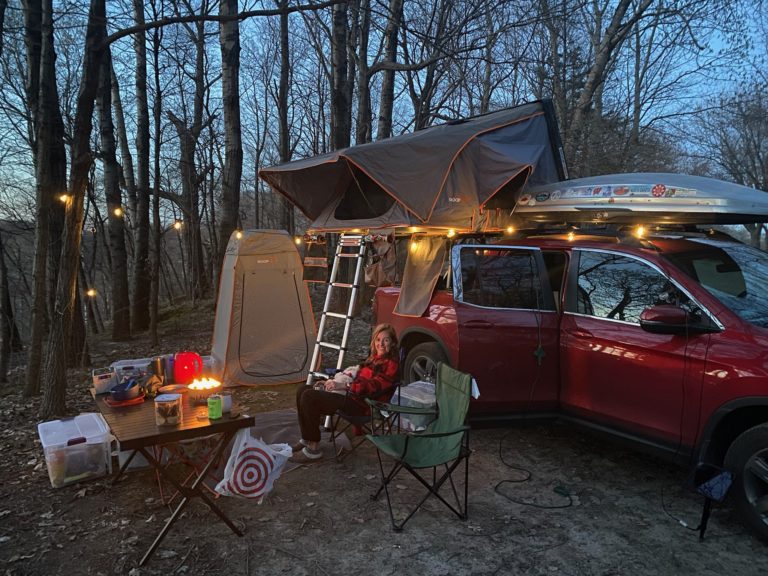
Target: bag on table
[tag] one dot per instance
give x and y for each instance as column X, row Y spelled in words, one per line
column 253, row 466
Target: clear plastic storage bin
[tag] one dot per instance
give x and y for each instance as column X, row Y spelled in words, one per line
column 76, row 448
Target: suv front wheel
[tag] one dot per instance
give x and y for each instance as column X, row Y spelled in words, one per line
column 747, row 458
column 422, row 360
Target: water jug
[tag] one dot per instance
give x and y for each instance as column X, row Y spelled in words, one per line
column 186, row 367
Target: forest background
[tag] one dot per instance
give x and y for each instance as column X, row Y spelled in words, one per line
column 132, row 131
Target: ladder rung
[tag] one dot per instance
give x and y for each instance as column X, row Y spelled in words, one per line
column 343, row 285
column 350, row 255
column 329, row 345
column 338, row 315
column 319, row 375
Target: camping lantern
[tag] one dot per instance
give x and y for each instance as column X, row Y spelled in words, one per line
column 201, row 389
column 186, row 367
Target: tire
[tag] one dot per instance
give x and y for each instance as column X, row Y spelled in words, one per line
column 747, row 458
column 421, row 362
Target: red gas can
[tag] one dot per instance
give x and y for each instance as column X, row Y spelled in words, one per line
column 186, row 367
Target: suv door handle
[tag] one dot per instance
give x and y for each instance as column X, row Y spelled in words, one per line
column 580, row 333
column 479, row 324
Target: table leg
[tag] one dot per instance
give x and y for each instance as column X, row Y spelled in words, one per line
column 189, row 492
column 124, row 467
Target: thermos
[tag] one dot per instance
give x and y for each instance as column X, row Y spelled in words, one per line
column 158, row 367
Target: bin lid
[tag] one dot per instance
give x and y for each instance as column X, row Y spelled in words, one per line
column 89, row 425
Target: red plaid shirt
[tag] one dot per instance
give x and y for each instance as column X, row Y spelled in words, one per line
column 375, row 376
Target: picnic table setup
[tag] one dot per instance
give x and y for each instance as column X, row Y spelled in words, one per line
column 152, row 410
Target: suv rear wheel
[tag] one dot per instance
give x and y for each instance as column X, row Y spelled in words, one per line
column 747, row 458
column 421, row 362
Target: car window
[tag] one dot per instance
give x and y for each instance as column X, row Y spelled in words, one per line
column 499, row 278
column 619, row 288
column 734, row 273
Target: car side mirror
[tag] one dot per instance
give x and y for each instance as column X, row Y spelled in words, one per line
column 670, row 319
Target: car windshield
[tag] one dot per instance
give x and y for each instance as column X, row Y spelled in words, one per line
column 736, row 274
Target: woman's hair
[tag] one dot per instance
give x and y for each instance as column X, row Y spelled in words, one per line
column 393, row 350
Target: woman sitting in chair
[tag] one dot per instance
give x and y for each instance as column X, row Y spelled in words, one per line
column 377, row 375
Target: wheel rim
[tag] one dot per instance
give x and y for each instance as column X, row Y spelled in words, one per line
column 422, row 368
column 755, row 481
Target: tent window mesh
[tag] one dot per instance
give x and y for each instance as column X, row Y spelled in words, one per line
column 362, row 199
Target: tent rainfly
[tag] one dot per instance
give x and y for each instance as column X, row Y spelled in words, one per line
column 463, row 175
column 264, row 331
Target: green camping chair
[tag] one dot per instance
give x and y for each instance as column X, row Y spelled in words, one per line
column 444, row 444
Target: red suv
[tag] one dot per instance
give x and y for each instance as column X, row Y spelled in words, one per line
column 662, row 340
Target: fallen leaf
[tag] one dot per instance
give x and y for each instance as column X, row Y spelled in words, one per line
column 167, row 554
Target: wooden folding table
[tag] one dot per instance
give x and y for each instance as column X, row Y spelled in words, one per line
column 135, row 429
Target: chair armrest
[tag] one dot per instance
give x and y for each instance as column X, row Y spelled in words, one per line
column 459, row 430
column 399, row 409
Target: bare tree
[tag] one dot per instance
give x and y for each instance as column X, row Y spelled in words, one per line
column 233, row 147
column 121, row 312
column 53, row 401
column 140, row 316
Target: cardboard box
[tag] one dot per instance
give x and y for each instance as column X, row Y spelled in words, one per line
column 76, row 448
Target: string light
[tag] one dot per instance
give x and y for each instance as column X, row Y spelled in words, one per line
column 297, row 240
column 510, row 229
column 451, row 233
column 91, row 293
column 64, row 198
column 118, row 211
column 640, row 231
column 571, row 236
column 239, row 234
column 177, row 225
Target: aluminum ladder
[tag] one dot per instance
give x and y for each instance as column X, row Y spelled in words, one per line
column 349, row 246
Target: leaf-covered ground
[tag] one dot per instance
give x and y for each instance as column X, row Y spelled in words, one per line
column 589, row 508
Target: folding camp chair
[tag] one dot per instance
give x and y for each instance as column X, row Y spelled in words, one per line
column 444, row 444
column 369, row 423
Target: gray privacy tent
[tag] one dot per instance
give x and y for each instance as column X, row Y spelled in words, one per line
column 465, row 175
column 264, row 331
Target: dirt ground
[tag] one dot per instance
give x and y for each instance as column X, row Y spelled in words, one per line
column 589, row 507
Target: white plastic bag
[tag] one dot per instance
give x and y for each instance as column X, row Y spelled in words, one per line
column 253, row 466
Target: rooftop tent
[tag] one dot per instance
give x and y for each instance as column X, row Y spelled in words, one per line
column 644, row 198
column 264, row 331
column 445, row 176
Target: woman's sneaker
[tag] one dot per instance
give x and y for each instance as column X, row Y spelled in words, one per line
column 312, row 454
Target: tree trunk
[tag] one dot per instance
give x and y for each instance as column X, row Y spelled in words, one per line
column 141, row 271
column 6, row 318
column 233, row 145
column 287, row 217
column 50, row 173
column 121, row 306
column 387, row 98
column 54, row 396
column 364, row 125
column 157, row 111
column 340, row 106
